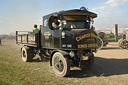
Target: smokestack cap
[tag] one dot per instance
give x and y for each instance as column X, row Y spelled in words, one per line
column 83, row 8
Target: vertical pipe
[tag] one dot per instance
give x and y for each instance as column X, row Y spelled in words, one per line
column 27, row 38
column 21, row 38
column 60, row 30
column 116, row 31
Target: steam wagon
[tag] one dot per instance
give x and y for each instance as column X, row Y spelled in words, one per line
column 72, row 44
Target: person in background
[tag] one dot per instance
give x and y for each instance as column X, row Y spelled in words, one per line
column 124, row 36
column 35, row 29
column 0, row 42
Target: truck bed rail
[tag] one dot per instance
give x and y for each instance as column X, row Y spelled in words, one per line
column 26, row 37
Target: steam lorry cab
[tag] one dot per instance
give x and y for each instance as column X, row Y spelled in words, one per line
column 72, row 44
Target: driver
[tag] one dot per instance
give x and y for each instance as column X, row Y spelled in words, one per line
column 55, row 23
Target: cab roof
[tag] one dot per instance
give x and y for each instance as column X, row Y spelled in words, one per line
column 74, row 12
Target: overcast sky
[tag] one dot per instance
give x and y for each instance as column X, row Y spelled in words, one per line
column 23, row 14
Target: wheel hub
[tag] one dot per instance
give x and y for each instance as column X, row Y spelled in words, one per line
column 58, row 64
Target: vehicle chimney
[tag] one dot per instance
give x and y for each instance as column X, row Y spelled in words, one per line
column 83, row 8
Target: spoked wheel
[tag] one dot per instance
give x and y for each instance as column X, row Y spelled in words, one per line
column 86, row 64
column 100, row 43
column 124, row 44
column 60, row 64
column 27, row 54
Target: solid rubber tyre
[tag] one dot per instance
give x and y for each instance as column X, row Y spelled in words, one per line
column 27, row 54
column 60, row 64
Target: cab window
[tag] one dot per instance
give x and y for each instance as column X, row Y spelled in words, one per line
column 77, row 22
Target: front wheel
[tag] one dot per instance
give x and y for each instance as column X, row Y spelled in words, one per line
column 86, row 64
column 60, row 64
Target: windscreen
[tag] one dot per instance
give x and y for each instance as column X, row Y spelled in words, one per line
column 77, row 22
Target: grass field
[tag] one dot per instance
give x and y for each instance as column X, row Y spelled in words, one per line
column 14, row 71
column 110, row 68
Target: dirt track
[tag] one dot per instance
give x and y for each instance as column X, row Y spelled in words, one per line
column 110, row 68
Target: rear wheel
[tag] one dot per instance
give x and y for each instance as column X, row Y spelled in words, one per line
column 60, row 64
column 27, row 54
column 86, row 64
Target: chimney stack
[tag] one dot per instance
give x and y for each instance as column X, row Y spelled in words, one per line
column 116, row 31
